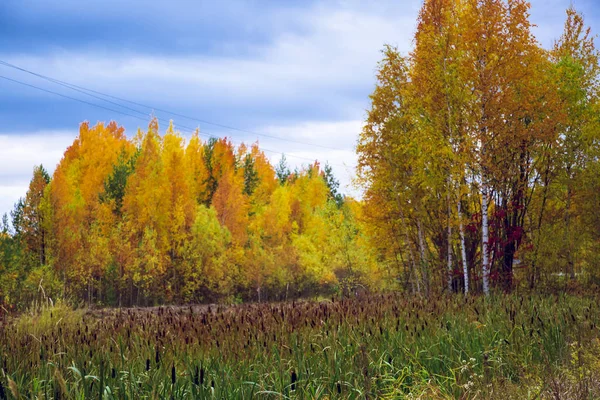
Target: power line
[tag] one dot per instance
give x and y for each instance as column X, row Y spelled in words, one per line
column 69, row 97
column 70, row 86
column 190, row 130
column 88, row 92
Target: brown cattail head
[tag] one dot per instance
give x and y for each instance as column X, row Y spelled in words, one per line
column 196, row 377
column 294, row 379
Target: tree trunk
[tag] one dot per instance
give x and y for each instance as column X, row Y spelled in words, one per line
column 43, row 247
column 424, row 260
column 485, row 236
column 413, row 272
column 507, row 263
column 450, row 273
column 534, row 268
column 89, row 290
column 462, row 248
column 570, row 262
column 398, row 253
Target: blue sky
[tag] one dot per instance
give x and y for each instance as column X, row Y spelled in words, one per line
column 300, row 70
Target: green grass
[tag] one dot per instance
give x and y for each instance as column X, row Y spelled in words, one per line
column 387, row 346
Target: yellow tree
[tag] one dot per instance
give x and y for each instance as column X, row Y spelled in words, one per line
column 384, row 167
column 197, row 173
column 75, row 197
column 206, row 268
column 440, row 99
column 576, row 75
column 510, row 120
column 232, row 205
column 146, row 217
column 181, row 202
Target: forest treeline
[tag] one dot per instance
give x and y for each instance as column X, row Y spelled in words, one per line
column 158, row 219
column 479, row 160
column 480, row 154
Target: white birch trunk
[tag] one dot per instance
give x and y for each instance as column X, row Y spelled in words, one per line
column 449, row 242
column 463, row 250
column 485, row 236
column 413, row 272
column 424, row 263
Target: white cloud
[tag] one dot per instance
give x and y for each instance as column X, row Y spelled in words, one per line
column 20, row 153
column 336, row 48
column 340, row 137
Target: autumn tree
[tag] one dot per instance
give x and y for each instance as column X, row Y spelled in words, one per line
column 30, row 225
column 576, row 69
column 75, row 200
column 163, row 218
column 461, row 125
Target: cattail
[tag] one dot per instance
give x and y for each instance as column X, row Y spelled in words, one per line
column 2, row 393
column 202, row 376
column 339, row 388
column 196, row 379
column 147, row 364
column 113, row 373
column 173, row 374
column 294, row 379
column 157, row 357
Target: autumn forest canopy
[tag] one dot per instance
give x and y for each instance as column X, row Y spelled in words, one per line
column 479, row 163
column 159, row 219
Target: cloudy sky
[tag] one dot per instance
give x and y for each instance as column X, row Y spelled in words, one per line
column 296, row 70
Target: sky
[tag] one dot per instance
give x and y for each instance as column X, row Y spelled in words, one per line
column 293, row 75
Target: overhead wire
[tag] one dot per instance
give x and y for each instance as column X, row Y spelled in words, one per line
column 91, row 92
column 179, row 126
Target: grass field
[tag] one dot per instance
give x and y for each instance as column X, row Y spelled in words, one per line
column 387, row 346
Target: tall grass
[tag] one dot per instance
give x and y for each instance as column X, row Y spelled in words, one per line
column 379, row 346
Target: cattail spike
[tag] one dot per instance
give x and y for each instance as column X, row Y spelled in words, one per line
column 294, row 379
